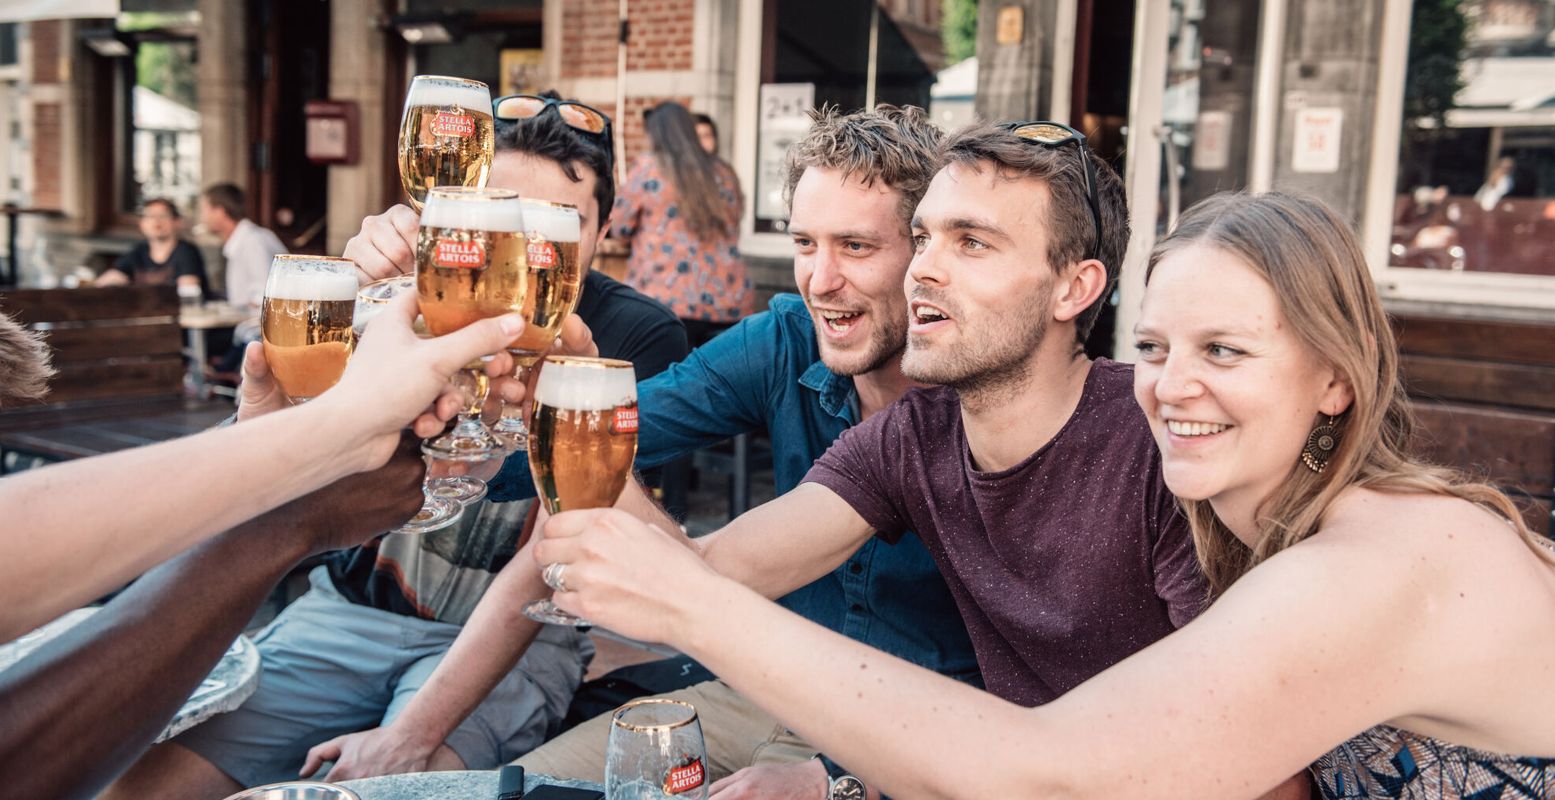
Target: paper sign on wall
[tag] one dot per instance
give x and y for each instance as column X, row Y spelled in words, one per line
column 1212, row 141
column 1318, row 132
column 784, row 119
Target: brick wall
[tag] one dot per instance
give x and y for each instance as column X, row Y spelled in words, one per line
column 44, row 36
column 48, row 134
column 661, row 41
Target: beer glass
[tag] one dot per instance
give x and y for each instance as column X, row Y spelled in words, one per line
column 305, row 322
column 469, row 266
column 552, row 232
column 446, row 135
column 656, row 752
column 444, row 498
column 582, row 444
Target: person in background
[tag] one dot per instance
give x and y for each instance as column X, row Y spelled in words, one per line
column 1497, row 185
column 707, row 133
column 681, row 210
column 247, row 247
column 163, row 258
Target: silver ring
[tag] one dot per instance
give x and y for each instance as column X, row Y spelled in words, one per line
column 553, row 576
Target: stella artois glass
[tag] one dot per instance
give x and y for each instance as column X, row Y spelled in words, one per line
column 552, row 233
column 469, row 266
column 305, row 322
column 656, row 752
column 446, row 135
column 583, row 441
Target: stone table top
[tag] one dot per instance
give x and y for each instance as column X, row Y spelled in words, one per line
column 235, row 677
column 468, row 785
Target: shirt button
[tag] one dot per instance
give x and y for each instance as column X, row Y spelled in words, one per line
column 858, row 609
column 855, row 568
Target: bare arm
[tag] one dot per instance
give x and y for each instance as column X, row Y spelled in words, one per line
column 84, row 706
column 77, row 530
column 1233, row 704
column 787, row 543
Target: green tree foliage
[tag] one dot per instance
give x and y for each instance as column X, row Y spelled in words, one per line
column 959, row 26
column 1437, row 39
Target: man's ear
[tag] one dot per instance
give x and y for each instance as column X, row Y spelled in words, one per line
column 1079, row 289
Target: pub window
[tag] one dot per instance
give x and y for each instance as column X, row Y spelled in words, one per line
column 160, row 133
column 8, row 38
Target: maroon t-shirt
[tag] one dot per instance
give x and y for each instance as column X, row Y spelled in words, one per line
column 1062, row 565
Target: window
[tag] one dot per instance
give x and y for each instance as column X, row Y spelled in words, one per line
column 1476, row 177
column 161, row 140
column 8, row 44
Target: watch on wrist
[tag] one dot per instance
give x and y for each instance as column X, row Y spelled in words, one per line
column 839, row 784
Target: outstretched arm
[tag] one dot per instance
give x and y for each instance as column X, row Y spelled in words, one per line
column 1231, row 705
column 84, row 706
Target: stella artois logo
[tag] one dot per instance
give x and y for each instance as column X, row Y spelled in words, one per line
column 689, row 775
column 454, row 254
column 625, row 421
column 453, row 123
column 541, row 254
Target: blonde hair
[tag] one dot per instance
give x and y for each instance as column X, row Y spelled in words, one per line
column 897, row 146
column 24, row 363
column 1310, row 257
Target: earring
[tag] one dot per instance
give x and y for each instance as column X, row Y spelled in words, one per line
column 1320, row 446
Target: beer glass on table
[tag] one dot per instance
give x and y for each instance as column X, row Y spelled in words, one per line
column 470, row 265
column 305, row 322
column 582, row 441
column 656, row 752
column 555, row 281
column 446, row 135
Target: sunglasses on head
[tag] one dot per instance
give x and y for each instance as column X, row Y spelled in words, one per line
column 1055, row 134
column 579, row 117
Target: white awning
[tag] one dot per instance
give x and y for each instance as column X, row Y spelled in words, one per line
column 28, row 10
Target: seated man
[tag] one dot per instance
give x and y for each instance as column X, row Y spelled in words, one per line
column 806, row 370
column 352, row 651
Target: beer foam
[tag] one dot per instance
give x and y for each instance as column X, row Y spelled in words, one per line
column 553, row 223
column 311, row 280
column 472, row 212
column 582, row 387
column 449, row 92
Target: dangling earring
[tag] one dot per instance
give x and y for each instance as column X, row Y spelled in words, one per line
column 1320, row 446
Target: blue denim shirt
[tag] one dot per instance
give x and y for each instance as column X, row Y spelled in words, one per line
column 766, row 372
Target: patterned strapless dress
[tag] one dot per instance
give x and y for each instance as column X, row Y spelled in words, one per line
column 1386, row 762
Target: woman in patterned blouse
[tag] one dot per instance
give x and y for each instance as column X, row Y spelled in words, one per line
column 681, row 211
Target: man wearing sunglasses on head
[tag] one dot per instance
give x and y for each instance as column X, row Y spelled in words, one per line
column 353, row 651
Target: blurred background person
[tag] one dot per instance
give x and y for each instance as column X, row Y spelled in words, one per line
column 164, row 258
column 248, row 250
column 707, row 133
column 681, row 211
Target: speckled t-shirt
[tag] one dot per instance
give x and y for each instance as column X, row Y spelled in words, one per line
column 1062, row 565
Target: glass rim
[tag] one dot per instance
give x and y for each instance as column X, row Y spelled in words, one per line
column 470, row 82
column 363, row 297
column 616, row 716
column 593, row 362
column 551, row 203
column 303, row 258
column 479, row 193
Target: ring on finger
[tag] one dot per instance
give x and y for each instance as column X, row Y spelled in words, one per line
column 553, row 576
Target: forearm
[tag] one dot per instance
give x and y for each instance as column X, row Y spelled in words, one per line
column 488, row 647
column 944, row 739
column 83, row 707
column 96, row 523
column 636, row 501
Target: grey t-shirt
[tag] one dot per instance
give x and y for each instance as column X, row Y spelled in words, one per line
column 1062, row 565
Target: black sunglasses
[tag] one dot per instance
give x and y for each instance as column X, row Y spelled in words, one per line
column 1056, row 134
column 579, row 117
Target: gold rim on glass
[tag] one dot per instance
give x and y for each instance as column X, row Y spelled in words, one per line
column 589, row 361
column 450, row 79
column 615, row 719
column 301, row 258
column 462, row 193
column 366, row 295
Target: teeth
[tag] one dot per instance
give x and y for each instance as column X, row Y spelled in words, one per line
column 838, row 314
column 1179, row 428
column 928, row 314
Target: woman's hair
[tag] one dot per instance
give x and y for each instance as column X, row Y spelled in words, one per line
column 1309, row 255
column 693, row 171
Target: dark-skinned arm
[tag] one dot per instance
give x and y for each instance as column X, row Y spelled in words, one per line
column 81, row 709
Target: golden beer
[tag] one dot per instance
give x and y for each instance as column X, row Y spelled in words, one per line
column 446, row 135
column 470, row 262
column 583, row 436
column 305, row 322
column 555, row 275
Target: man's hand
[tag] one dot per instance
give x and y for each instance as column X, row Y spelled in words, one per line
column 575, row 339
column 386, row 245
column 258, row 393
column 370, row 753
column 615, row 568
column 802, row 780
column 357, row 507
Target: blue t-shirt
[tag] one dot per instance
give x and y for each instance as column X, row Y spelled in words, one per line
column 766, row 372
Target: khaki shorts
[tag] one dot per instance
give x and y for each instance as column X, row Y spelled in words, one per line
column 738, row 734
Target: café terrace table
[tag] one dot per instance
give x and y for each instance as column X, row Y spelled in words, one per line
column 197, row 324
column 234, row 678
column 466, row 785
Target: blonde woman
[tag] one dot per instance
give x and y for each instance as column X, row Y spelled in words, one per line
column 1377, row 618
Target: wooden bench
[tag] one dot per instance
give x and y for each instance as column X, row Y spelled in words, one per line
column 120, row 374
column 1484, row 396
